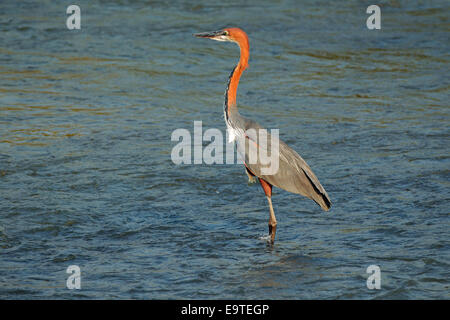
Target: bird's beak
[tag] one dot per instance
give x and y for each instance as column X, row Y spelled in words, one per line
column 220, row 35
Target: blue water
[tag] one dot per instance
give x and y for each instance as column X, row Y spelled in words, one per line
column 86, row 177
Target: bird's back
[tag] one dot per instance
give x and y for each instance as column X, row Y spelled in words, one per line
column 293, row 173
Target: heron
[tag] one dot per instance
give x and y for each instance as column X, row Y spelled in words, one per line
column 293, row 173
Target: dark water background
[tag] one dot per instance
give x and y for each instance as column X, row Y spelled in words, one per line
column 85, row 171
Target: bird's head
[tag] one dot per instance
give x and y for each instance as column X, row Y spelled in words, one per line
column 229, row 34
column 233, row 35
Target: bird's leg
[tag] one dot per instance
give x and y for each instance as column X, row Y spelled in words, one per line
column 272, row 221
column 267, row 187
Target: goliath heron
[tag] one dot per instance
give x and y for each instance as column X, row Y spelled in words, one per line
column 293, row 174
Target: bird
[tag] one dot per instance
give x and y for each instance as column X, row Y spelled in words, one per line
column 293, row 173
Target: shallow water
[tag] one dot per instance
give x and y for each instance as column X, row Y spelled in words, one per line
column 86, row 176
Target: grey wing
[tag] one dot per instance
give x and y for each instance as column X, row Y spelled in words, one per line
column 292, row 172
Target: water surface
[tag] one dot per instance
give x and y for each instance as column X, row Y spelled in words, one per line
column 85, row 171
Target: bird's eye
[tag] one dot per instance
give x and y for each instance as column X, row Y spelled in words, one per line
column 225, row 33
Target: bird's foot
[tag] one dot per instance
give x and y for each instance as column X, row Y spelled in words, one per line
column 251, row 177
column 251, row 180
column 272, row 232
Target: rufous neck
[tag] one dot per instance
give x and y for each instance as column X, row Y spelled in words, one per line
column 236, row 75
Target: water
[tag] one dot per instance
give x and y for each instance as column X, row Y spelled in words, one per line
column 85, row 171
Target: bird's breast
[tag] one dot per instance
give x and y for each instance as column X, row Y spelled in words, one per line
column 232, row 133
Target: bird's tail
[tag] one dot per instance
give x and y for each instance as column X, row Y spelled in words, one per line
column 320, row 196
column 323, row 201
